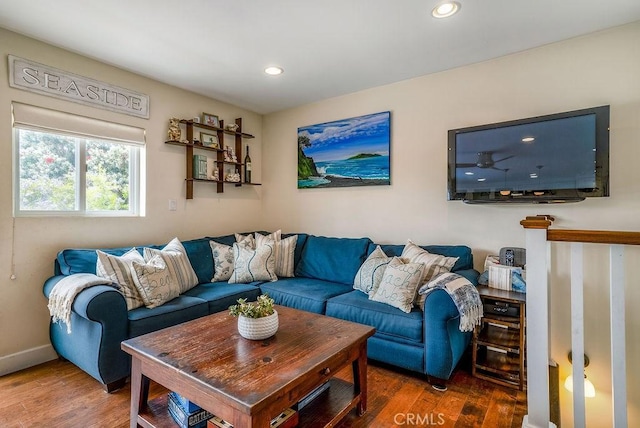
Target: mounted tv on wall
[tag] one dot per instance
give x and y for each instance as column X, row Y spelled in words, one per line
column 562, row 157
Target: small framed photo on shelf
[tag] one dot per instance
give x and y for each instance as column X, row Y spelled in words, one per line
column 211, row 120
column 209, row 140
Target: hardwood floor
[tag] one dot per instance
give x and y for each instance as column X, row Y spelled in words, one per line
column 58, row 394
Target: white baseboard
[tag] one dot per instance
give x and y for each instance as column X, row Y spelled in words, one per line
column 25, row 359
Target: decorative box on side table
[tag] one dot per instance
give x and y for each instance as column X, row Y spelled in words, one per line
column 499, row 341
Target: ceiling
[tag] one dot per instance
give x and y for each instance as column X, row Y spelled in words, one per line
column 327, row 48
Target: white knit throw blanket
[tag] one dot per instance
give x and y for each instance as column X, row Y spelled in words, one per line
column 65, row 291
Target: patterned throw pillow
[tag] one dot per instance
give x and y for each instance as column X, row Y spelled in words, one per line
column 246, row 240
column 284, row 252
column 175, row 257
column 222, row 261
column 253, row 265
column 118, row 270
column 154, row 282
column 370, row 273
column 399, row 284
column 434, row 264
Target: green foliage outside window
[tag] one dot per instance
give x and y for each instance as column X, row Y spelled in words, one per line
column 49, row 179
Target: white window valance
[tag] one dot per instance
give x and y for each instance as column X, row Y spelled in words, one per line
column 38, row 118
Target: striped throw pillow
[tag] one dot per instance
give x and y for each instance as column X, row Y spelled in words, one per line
column 434, row 264
column 284, row 252
column 175, row 257
column 119, row 270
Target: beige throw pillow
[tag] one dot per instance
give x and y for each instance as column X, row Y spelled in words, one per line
column 434, row 264
column 284, row 252
column 177, row 261
column 154, row 282
column 370, row 273
column 222, row 261
column 253, row 265
column 118, row 269
column 399, row 284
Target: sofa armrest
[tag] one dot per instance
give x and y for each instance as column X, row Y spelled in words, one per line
column 99, row 323
column 101, row 303
column 444, row 342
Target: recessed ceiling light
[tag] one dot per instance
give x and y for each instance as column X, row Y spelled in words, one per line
column 445, row 9
column 528, row 139
column 273, row 71
column 481, row 179
column 468, row 173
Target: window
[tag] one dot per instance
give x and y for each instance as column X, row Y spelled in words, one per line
column 74, row 165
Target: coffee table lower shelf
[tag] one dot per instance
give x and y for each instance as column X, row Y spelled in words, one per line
column 325, row 411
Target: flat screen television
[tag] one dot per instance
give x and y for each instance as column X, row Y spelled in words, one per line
column 561, row 157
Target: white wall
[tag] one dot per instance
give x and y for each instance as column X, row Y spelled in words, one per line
column 24, row 318
column 598, row 69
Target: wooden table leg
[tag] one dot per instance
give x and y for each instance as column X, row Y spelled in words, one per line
column 139, row 392
column 360, row 379
column 259, row 420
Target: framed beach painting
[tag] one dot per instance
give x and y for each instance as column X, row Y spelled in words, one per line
column 345, row 153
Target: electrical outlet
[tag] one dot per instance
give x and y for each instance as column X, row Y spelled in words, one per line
column 173, row 205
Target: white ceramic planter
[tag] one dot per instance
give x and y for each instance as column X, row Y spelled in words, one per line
column 258, row 328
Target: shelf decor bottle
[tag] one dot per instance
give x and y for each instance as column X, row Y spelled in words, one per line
column 247, row 167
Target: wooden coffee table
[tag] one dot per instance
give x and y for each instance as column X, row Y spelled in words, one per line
column 247, row 382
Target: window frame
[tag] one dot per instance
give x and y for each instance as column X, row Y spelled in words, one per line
column 137, row 151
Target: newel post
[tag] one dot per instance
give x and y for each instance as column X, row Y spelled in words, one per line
column 537, row 321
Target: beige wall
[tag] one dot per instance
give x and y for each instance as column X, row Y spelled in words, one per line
column 24, row 319
column 599, row 69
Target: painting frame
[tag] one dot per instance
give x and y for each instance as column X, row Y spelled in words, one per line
column 345, row 153
column 210, row 120
column 209, row 140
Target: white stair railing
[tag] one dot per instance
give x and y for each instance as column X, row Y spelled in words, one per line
column 538, row 237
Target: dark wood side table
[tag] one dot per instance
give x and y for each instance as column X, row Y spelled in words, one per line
column 499, row 341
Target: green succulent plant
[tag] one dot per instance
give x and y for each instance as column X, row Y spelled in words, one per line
column 260, row 308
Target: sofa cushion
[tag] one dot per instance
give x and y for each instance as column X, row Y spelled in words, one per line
column 199, row 253
column 332, row 259
column 224, row 239
column 181, row 309
column 83, row 260
column 221, row 295
column 462, row 252
column 304, row 293
column 355, row 306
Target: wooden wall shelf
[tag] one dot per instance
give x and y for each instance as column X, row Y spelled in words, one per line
column 190, row 147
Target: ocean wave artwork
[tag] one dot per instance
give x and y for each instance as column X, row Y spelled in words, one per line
column 345, row 153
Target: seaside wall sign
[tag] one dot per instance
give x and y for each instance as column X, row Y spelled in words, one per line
column 345, row 153
column 32, row 76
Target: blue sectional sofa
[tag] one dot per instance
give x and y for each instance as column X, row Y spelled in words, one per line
column 428, row 342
